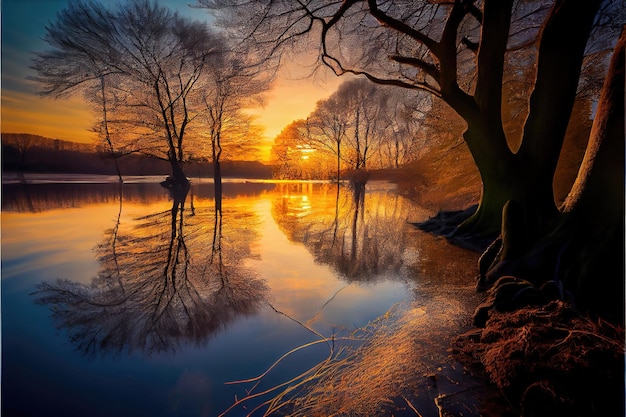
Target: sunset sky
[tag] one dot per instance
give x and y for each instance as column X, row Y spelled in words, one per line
column 24, row 111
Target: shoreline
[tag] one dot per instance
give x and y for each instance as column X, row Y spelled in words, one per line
column 538, row 371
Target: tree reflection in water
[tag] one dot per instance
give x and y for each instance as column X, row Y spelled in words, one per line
column 364, row 234
column 165, row 282
column 361, row 238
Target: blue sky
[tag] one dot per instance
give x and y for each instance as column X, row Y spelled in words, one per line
column 23, row 27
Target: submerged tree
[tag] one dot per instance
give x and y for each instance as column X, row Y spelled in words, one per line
column 235, row 84
column 148, row 62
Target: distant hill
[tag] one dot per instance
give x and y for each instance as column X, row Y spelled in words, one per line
column 27, row 140
column 22, row 152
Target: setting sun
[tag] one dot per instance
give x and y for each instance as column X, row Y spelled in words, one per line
column 292, row 99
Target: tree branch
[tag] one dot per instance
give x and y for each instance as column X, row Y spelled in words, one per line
column 400, row 26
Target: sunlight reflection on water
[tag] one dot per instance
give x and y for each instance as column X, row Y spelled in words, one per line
column 163, row 302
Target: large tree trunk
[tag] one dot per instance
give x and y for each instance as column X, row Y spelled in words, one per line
column 527, row 176
column 594, row 209
column 506, row 177
column 584, row 253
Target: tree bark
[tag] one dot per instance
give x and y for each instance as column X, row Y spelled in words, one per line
column 216, row 152
column 217, row 182
column 584, row 252
column 594, row 209
column 525, row 177
column 178, row 175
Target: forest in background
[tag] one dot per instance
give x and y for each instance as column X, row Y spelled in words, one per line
column 443, row 176
column 23, row 152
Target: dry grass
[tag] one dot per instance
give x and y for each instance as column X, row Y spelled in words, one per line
column 445, row 178
column 364, row 380
column 369, row 371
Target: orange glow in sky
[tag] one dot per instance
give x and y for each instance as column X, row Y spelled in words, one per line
column 72, row 119
column 67, row 119
column 292, row 96
column 292, row 99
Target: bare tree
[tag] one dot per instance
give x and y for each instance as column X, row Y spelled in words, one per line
column 406, row 137
column 22, row 143
column 234, row 85
column 328, row 127
column 360, row 120
column 366, row 104
column 288, row 151
column 386, row 121
column 155, row 60
column 427, row 45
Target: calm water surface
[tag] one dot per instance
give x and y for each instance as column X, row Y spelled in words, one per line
column 125, row 301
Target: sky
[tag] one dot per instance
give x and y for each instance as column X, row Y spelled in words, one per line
column 24, row 111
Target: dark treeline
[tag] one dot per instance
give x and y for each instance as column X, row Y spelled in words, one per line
column 32, row 153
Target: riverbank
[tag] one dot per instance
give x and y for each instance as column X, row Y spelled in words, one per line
column 544, row 357
column 543, row 360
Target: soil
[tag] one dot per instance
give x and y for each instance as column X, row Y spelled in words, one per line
column 550, row 360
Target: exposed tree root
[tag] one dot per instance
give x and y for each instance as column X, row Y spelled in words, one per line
column 545, row 356
column 549, row 360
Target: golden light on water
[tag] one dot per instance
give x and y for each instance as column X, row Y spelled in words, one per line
column 327, row 263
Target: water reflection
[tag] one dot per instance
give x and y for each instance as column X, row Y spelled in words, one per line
column 363, row 238
column 166, row 280
column 169, row 273
column 40, row 197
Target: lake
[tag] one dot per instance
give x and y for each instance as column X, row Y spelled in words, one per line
column 128, row 301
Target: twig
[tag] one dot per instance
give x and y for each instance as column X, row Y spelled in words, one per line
column 412, row 407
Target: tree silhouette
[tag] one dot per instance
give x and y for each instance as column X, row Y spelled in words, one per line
column 141, row 64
